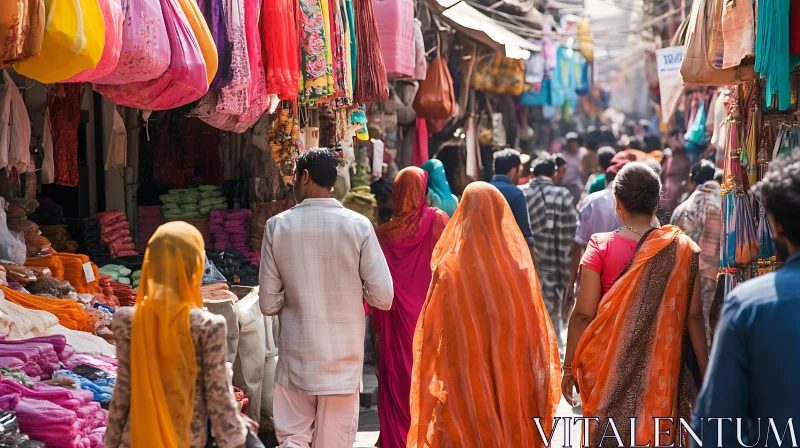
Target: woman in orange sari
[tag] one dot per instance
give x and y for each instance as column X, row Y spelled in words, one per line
column 485, row 353
column 636, row 345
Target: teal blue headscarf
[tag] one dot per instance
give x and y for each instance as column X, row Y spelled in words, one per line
column 439, row 194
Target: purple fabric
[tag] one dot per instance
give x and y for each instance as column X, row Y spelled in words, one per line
column 40, row 353
column 214, row 13
column 598, row 214
column 410, row 264
column 95, row 361
column 58, row 341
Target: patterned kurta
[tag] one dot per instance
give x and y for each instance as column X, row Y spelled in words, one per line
column 213, row 400
column 553, row 222
column 700, row 217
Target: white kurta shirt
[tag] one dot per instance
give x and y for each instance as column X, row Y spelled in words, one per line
column 319, row 261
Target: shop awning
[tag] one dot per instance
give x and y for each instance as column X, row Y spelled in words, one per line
column 482, row 28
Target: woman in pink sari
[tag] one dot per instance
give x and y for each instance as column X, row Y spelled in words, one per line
column 407, row 242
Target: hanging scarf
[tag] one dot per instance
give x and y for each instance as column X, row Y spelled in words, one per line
column 163, row 364
column 439, row 194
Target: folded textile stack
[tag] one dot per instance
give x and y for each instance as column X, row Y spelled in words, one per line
column 125, row 294
column 51, row 262
column 149, row 218
column 254, row 257
column 234, row 266
column 180, row 203
column 215, row 292
column 230, row 229
column 37, row 245
column 75, row 275
column 17, row 215
column 53, row 415
column 201, row 224
column 87, row 233
column 70, row 314
column 135, row 277
column 48, row 213
column 210, row 199
column 39, row 358
column 262, row 211
column 59, row 237
column 115, row 231
column 109, row 298
column 117, row 272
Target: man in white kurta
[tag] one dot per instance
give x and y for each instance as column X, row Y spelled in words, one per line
column 319, row 262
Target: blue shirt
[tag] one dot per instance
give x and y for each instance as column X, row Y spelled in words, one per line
column 516, row 200
column 755, row 362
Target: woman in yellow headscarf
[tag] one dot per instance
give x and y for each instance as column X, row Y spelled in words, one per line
column 172, row 377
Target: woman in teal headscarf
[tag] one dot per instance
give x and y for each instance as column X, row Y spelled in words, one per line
column 439, row 194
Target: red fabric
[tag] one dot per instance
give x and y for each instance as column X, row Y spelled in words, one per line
column 608, row 254
column 421, row 143
column 279, row 19
column 794, row 27
column 65, row 114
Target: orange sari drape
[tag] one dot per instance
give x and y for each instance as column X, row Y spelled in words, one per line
column 631, row 359
column 485, row 353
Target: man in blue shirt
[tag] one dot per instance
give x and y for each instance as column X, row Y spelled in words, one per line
column 755, row 361
column 507, row 166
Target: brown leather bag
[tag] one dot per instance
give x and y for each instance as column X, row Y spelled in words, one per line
column 436, row 96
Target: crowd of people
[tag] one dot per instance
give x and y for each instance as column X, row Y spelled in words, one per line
column 469, row 298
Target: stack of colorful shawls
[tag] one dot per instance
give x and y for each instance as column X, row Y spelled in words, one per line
column 75, row 275
column 115, row 231
column 70, row 314
column 108, row 297
column 230, row 229
column 149, row 218
column 87, row 233
column 124, row 293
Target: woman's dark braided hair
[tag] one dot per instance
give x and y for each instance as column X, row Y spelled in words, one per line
column 638, row 188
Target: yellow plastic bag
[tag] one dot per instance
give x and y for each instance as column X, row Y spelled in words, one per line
column 203, row 35
column 74, row 38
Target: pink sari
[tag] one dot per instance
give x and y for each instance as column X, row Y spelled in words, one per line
column 407, row 242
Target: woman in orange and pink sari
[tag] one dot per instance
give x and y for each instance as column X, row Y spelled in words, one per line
column 407, row 241
column 485, row 353
column 636, row 346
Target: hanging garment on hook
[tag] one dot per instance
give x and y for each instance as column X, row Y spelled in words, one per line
column 22, row 23
column 15, row 128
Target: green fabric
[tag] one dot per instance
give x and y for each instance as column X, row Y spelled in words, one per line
column 599, row 183
column 208, row 188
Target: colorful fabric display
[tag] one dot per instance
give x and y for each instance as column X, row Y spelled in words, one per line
column 115, row 231
column 230, row 229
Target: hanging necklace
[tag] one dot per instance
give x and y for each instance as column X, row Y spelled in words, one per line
column 633, row 230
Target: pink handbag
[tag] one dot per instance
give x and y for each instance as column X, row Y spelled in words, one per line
column 145, row 50
column 183, row 82
column 113, row 20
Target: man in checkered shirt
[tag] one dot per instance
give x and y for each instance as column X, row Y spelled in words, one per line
column 553, row 221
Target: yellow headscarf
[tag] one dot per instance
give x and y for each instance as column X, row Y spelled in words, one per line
column 163, row 365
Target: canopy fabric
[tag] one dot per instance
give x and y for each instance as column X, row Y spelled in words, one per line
column 482, row 28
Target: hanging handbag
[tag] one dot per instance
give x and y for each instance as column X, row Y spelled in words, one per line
column 436, row 95
column 696, row 67
column 495, row 73
column 112, row 19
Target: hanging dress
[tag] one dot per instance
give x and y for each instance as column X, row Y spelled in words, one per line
column 73, row 41
column 280, row 49
column 187, row 78
column 22, row 23
column 112, row 20
column 257, row 101
column 15, row 127
column 145, row 52
column 64, row 111
column 214, row 14
column 316, row 69
column 240, row 64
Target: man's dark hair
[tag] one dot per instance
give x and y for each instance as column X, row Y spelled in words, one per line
column 676, row 131
column 604, row 155
column 780, row 193
column 703, row 172
column 719, row 176
column 559, row 160
column 544, row 166
column 322, row 165
column 506, row 160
